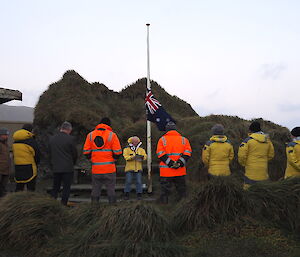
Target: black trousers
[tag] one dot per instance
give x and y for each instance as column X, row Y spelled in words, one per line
column 64, row 178
column 30, row 186
column 166, row 186
column 3, row 183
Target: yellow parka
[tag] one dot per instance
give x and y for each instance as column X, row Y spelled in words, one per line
column 217, row 155
column 254, row 154
column 293, row 159
column 26, row 156
column 131, row 163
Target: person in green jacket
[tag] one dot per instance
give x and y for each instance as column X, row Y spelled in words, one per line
column 254, row 153
column 134, row 156
column 218, row 153
column 293, row 155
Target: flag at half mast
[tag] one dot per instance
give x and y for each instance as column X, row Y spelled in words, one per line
column 155, row 112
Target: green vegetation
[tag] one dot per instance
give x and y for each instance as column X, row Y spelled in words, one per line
column 74, row 99
column 218, row 219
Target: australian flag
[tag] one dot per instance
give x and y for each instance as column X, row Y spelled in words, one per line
column 156, row 113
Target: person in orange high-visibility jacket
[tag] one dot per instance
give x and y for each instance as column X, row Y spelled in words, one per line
column 102, row 147
column 173, row 150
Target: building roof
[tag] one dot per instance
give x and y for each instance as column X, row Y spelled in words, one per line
column 7, row 95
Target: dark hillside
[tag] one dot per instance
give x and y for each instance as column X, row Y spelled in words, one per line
column 74, row 99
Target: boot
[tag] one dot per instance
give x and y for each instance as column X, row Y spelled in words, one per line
column 126, row 196
column 139, row 196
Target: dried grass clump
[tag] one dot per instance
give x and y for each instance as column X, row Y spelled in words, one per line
column 136, row 229
column 278, row 202
column 85, row 214
column 29, row 220
column 219, row 200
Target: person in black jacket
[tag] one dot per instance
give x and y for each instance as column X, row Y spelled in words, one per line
column 63, row 156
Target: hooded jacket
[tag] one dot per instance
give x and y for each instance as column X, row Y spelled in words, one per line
column 175, row 147
column 254, row 154
column 217, row 155
column 293, row 159
column 26, row 156
column 132, row 164
column 103, row 147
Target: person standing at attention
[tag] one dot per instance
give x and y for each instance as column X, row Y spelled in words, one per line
column 102, row 147
column 218, row 153
column 293, row 155
column 63, row 156
column 134, row 155
column 26, row 157
column 254, row 153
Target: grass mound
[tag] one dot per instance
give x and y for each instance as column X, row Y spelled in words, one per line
column 219, row 200
column 85, row 215
column 278, row 202
column 136, row 229
column 29, row 220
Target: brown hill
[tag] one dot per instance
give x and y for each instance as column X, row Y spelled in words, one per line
column 82, row 103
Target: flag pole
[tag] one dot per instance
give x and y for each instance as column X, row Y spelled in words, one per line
column 149, row 152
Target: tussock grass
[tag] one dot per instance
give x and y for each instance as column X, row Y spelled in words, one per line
column 278, row 202
column 219, row 200
column 136, row 229
column 85, row 214
column 29, row 220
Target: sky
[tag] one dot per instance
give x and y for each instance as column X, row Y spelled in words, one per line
column 233, row 57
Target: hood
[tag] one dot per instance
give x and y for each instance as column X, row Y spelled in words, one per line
column 218, row 138
column 103, row 126
column 22, row 134
column 260, row 137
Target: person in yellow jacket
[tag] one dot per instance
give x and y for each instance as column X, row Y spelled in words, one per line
column 134, row 156
column 293, row 155
column 254, row 153
column 26, row 157
column 218, row 153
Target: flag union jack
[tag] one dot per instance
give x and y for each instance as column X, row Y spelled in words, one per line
column 151, row 103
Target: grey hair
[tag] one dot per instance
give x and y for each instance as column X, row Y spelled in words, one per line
column 66, row 126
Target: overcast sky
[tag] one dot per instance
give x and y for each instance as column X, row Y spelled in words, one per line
column 229, row 57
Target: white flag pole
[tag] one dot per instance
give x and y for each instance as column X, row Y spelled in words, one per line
column 149, row 159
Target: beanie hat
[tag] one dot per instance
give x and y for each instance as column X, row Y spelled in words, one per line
column 255, row 126
column 170, row 126
column 28, row 127
column 4, row 131
column 106, row 121
column 296, row 132
column 217, row 129
column 134, row 140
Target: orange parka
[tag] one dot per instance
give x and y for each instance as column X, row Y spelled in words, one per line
column 103, row 145
column 174, row 145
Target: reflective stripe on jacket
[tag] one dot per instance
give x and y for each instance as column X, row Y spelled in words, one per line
column 174, row 145
column 217, row 155
column 131, row 163
column 102, row 143
column 26, row 156
column 293, row 159
column 254, row 153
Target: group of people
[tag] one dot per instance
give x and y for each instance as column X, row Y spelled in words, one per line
column 102, row 147
column 254, row 153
